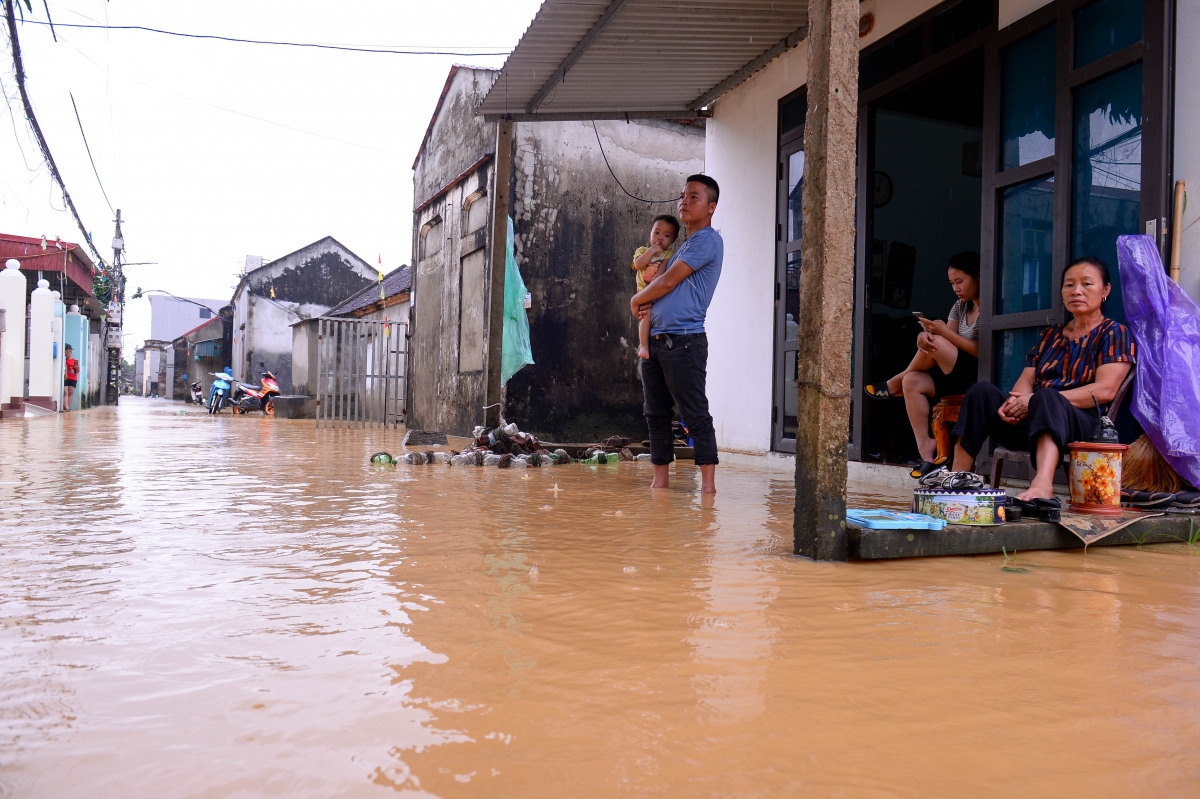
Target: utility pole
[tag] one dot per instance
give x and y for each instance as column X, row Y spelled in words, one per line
column 827, row 280
column 110, row 391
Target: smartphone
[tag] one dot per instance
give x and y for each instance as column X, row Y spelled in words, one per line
column 919, row 314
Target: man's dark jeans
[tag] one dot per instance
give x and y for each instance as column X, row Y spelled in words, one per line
column 674, row 374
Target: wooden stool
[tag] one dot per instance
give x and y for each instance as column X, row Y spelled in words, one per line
column 945, row 414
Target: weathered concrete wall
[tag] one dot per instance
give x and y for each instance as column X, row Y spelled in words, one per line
column 447, row 381
column 306, row 283
column 575, row 236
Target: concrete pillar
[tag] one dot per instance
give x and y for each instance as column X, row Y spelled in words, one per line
column 41, row 341
column 56, row 369
column 827, row 280
column 496, row 263
column 12, row 300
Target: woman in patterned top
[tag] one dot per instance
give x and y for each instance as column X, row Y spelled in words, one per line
column 1052, row 403
column 947, row 359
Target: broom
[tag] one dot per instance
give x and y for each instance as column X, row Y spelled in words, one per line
column 1144, row 469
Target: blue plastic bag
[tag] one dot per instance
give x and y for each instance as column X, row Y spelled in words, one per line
column 1165, row 323
column 515, row 351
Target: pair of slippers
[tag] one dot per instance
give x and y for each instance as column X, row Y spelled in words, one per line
column 1148, row 500
column 1044, row 510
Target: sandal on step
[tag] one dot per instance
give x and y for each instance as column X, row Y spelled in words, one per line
column 1146, row 499
column 1187, row 499
column 1042, row 509
column 879, row 393
column 924, row 467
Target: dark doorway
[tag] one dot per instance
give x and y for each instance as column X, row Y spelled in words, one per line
column 926, row 195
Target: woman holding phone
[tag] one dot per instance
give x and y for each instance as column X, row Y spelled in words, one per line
column 947, row 359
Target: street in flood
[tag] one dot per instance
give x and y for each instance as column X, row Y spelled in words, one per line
column 199, row 606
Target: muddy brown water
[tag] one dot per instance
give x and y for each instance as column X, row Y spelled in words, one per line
column 198, row 607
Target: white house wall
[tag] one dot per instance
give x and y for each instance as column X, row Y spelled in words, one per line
column 741, row 152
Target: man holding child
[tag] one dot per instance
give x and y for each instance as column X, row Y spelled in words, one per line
column 676, row 302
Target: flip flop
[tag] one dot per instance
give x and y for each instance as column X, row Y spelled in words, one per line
column 924, row 467
column 1146, row 499
column 1045, row 510
column 878, row 393
column 1187, row 499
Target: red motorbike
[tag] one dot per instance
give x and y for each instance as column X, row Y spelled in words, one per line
column 247, row 398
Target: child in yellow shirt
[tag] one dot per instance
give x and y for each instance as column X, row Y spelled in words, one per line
column 649, row 261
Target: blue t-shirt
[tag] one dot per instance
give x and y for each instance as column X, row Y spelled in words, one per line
column 683, row 310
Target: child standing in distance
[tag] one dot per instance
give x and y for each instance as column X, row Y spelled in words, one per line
column 648, row 262
column 71, row 378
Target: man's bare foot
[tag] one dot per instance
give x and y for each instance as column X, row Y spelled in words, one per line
column 662, row 476
column 643, row 351
column 708, row 479
column 928, row 451
column 1036, row 491
column 895, row 386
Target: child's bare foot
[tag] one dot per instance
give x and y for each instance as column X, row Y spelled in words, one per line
column 643, row 351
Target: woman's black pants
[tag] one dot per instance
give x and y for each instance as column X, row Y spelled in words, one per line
column 1049, row 412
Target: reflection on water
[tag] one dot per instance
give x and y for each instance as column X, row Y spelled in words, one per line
column 202, row 607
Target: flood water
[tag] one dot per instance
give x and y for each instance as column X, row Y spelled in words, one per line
column 238, row 607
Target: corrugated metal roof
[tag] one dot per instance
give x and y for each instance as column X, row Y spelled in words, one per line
column 586, row 59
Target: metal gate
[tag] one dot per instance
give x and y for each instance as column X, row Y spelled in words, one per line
column 360, row 372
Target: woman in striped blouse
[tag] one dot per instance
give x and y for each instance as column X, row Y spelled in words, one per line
column 1052, row 403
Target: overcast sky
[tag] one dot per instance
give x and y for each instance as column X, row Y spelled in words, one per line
column 216, row 150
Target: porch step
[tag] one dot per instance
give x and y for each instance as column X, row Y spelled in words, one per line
column 8, row 413
column 43, row 402
column 15, row 405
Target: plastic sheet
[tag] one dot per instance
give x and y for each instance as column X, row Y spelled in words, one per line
column 515, row 351
column 1165, row 323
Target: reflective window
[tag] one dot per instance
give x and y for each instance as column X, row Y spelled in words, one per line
column 1106, row 26
column 1025, row 280
column 791, row 298
column 793, row 112
column 1011, row 348
column 795, row 193
column 1027, row 99
column 1108, row 170
column 893, row 57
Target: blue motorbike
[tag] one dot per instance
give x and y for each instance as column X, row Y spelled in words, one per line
column 218, row 395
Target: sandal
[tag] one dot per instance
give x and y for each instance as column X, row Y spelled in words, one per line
column 1146, row 499
column 1187, row 499
column 879, row 393
column 1045, row 510
column 924, row 467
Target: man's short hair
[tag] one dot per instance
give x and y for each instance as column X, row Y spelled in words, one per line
column 670, row 220
column 714, row 191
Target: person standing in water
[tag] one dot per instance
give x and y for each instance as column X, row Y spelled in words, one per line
column 677, row 302
column 70, row 379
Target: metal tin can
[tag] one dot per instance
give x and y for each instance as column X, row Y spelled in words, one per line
column 974, row 506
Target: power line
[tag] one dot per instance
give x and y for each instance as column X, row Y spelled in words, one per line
column 89, row 152
column 614, row 175
column 344, row 48
column 19, row 67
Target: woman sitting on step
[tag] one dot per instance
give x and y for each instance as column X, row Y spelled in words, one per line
column 1053, row 403
column 947, row 359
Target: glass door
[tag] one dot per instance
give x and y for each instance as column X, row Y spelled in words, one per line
column 787, row 292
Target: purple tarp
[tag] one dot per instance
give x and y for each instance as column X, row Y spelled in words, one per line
column 1165, row 323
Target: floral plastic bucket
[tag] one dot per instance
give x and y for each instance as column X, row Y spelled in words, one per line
column 1096, row 478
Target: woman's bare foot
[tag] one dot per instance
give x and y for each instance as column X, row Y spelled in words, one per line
column 643, row 352
column 895, row 386
column 928, row 450
column 1036, row 491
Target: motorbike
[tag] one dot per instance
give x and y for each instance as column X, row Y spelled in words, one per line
column 247, row 398
column 218, row 395
column 197, row 390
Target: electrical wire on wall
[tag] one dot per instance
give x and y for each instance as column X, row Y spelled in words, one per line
column 614, row 175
